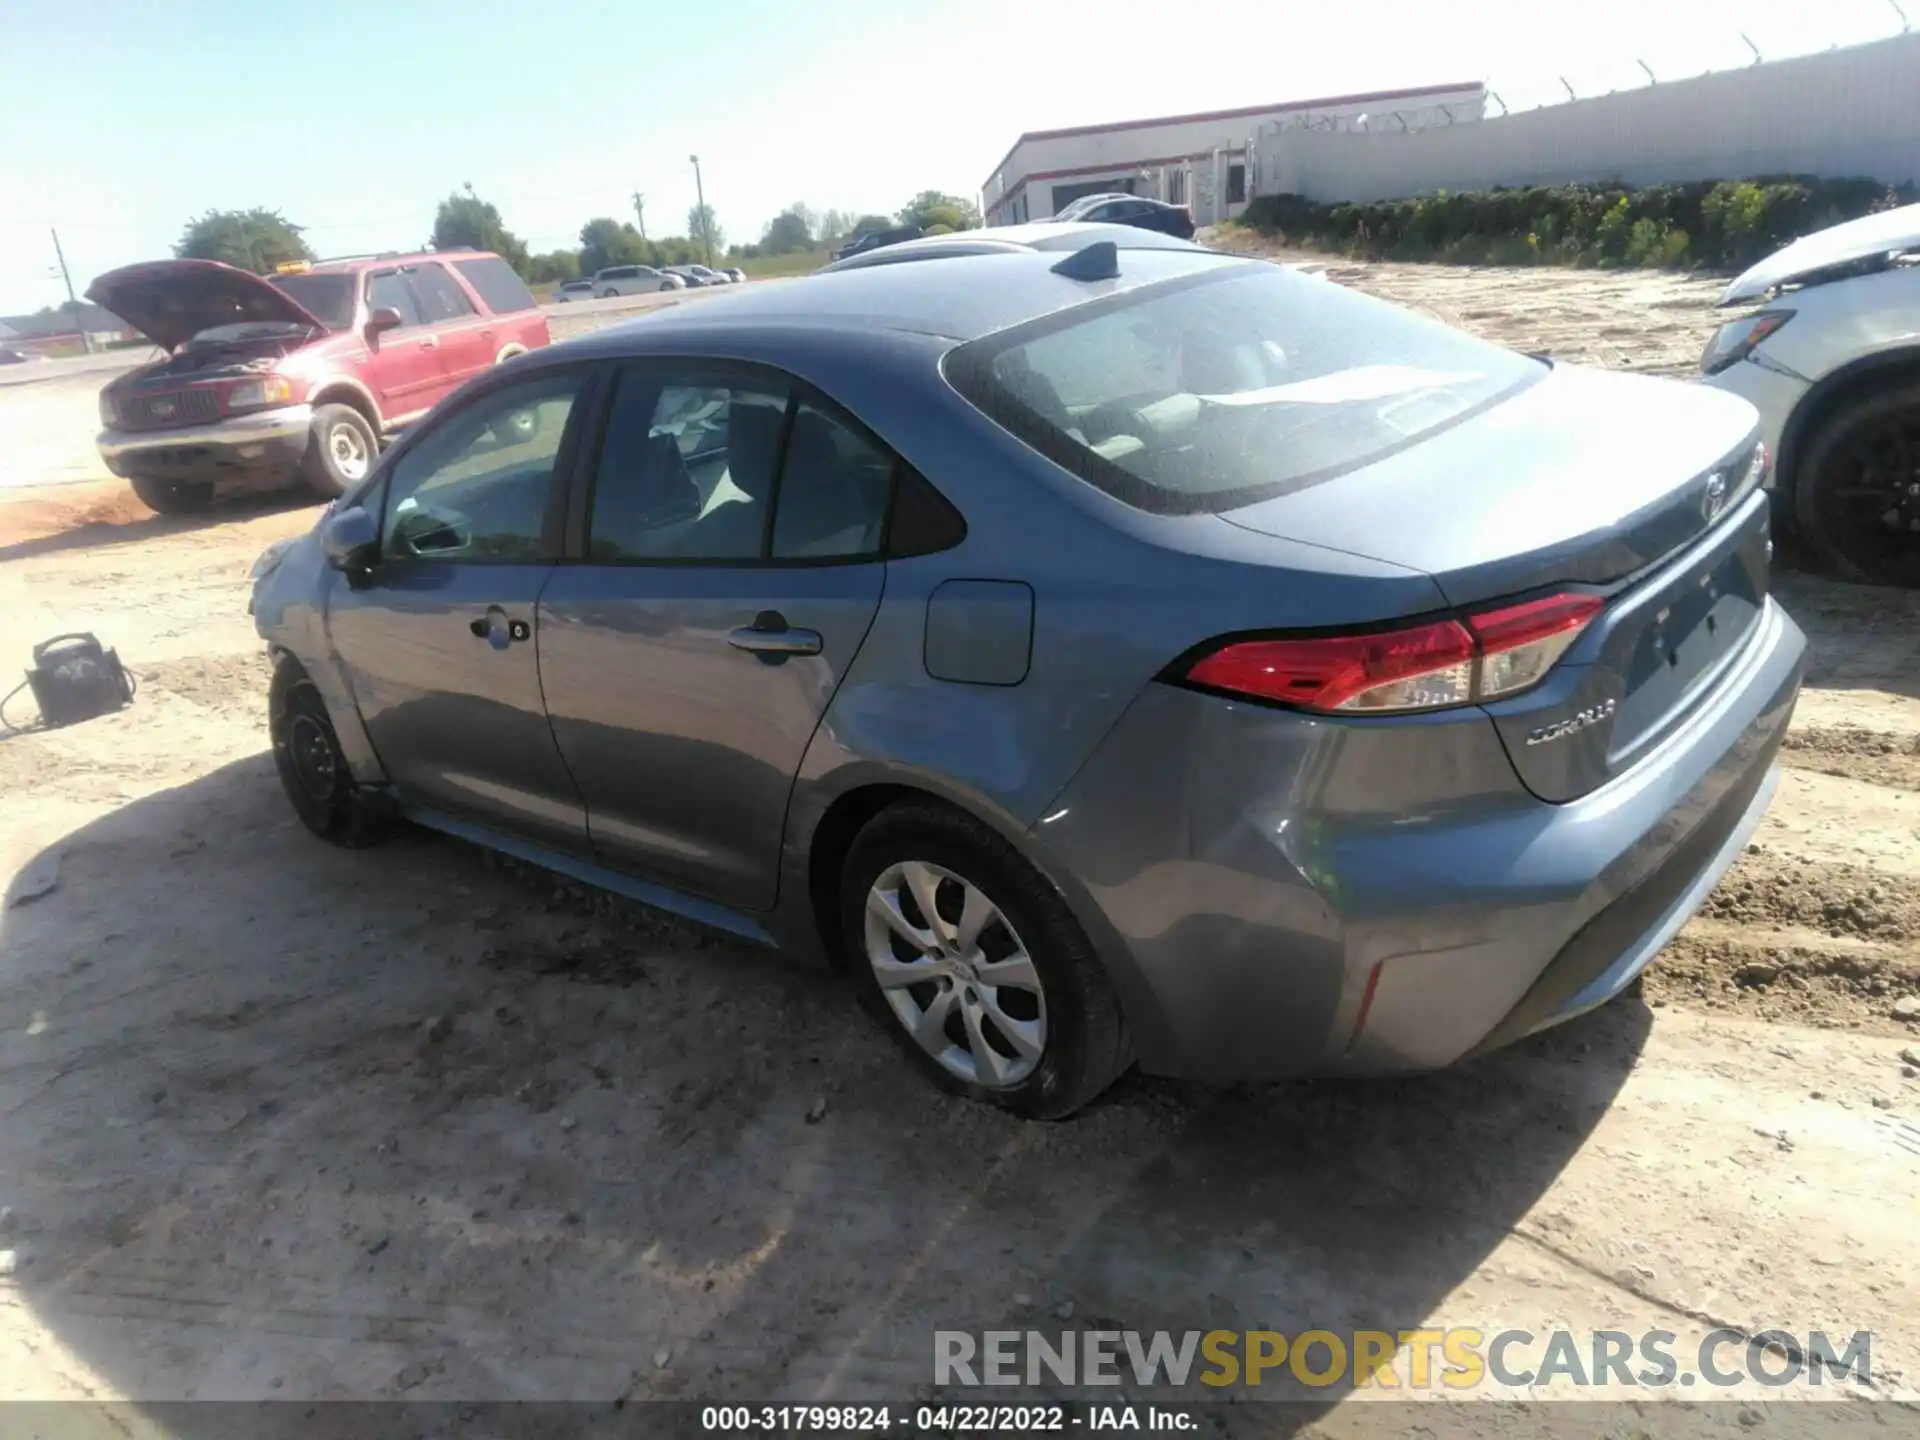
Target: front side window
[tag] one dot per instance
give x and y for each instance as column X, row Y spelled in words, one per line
column 389, row 290
column 475, row 485
column 439, row 297
column 1247, row 381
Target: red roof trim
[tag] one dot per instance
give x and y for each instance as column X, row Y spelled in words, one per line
column 1026, row 180
column 1107, row 127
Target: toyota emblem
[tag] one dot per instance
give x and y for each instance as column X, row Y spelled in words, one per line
column 1714, row 500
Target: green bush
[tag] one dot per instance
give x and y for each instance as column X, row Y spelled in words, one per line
column 1724, row 224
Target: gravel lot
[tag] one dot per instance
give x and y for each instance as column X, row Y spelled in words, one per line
column 288, row 1122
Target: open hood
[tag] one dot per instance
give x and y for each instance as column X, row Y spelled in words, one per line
column 1871, row 237
column 171, row 301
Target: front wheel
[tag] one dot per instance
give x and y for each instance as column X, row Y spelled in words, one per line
column 313, row 769
column 173, row 497
column 340, row 450
column 975, row 965
column 608, row 293
column 1856, row 491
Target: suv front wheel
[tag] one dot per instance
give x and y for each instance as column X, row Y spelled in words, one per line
column 341, row 447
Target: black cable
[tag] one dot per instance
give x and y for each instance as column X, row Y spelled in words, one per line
column 17, row 730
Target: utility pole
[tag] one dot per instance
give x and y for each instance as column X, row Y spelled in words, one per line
column 79, row 320
column 640, row 212
column 706, row 220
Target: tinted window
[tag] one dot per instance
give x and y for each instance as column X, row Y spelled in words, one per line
column 389, row 291
column 1209, row 393
column 686, row 470
column 440, row 298
column 475, row 485
column 494, row 281
column 328, row 298
column 834, row 484
column 619, row 272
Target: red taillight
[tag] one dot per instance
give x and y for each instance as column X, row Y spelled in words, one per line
column 1421, row 667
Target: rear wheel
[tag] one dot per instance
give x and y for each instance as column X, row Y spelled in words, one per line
column 173, row 497
column 313, row 769
column 608, row 293
column 1857, row 489
column 976, row 966
column 340, row 450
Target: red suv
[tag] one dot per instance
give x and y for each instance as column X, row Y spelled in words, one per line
column 303, row 371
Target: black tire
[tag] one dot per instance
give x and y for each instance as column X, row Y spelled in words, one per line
column 1856, row 489
column 339, row 432
column 608, row 293
column 173, row 497
column 313, row 769
column 516, row 427
column 1085, row 1040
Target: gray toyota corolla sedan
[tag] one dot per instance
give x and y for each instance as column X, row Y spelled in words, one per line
column 1104, row 656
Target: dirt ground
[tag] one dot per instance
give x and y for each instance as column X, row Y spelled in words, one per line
column 279, row 1121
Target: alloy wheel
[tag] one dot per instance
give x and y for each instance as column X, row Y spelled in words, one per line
column 956, row 974
column 348, row 449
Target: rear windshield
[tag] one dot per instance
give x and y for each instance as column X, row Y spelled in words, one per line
column 494, row 279
column 1214, row 391
column 328, row 298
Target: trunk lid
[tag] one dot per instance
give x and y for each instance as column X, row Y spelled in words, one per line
column 1642, row 490
column 1584, row 477
column 171, row 301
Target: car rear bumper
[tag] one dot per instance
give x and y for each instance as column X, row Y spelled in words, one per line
column 263, row 440
column 1265, row 913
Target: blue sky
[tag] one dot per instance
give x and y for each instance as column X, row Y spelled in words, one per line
column 120, row 119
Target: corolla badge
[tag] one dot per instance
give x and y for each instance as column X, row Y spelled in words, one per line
column 1714, row 499
column 1573, row 724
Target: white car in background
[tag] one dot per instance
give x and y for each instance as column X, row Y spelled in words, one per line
column 1831, row 358
column 633, row 280
column 574, row 290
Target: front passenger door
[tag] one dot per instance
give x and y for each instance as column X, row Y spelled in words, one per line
column 404, row 362
column 733, row 564
column 438, row 639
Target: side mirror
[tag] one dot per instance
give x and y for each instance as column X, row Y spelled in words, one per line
column 350, row 539
column 385, row 318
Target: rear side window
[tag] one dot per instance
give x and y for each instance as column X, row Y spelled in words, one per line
column 440, row 298
column 494, row 281
column 1211, row 392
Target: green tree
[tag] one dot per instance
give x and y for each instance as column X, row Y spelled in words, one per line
column 605, row 241
column 466, row 222
column 561, row 265
column 931, row 207
column 788, row 231
column 835, row 225
column 255, row 240
column 705, row 230
column 869, row 224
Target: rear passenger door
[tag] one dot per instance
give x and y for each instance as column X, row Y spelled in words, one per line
column 729, row 563
column 466, row 336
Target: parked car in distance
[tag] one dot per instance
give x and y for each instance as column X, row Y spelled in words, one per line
column 711, row 275
column 735, row 274
column 1829, row 352
column 1121, row 209
column 693, row 276
column 574, row 290
column 303, row 372
column 10, row 356
column 1129, row 655
column 633, row 280
column 875, row 239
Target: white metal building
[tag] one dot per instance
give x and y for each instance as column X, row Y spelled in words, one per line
column 1200, row 161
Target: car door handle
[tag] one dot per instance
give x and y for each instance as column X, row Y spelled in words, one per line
column 431, row 342
column 495, row 628
column 770, row 635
